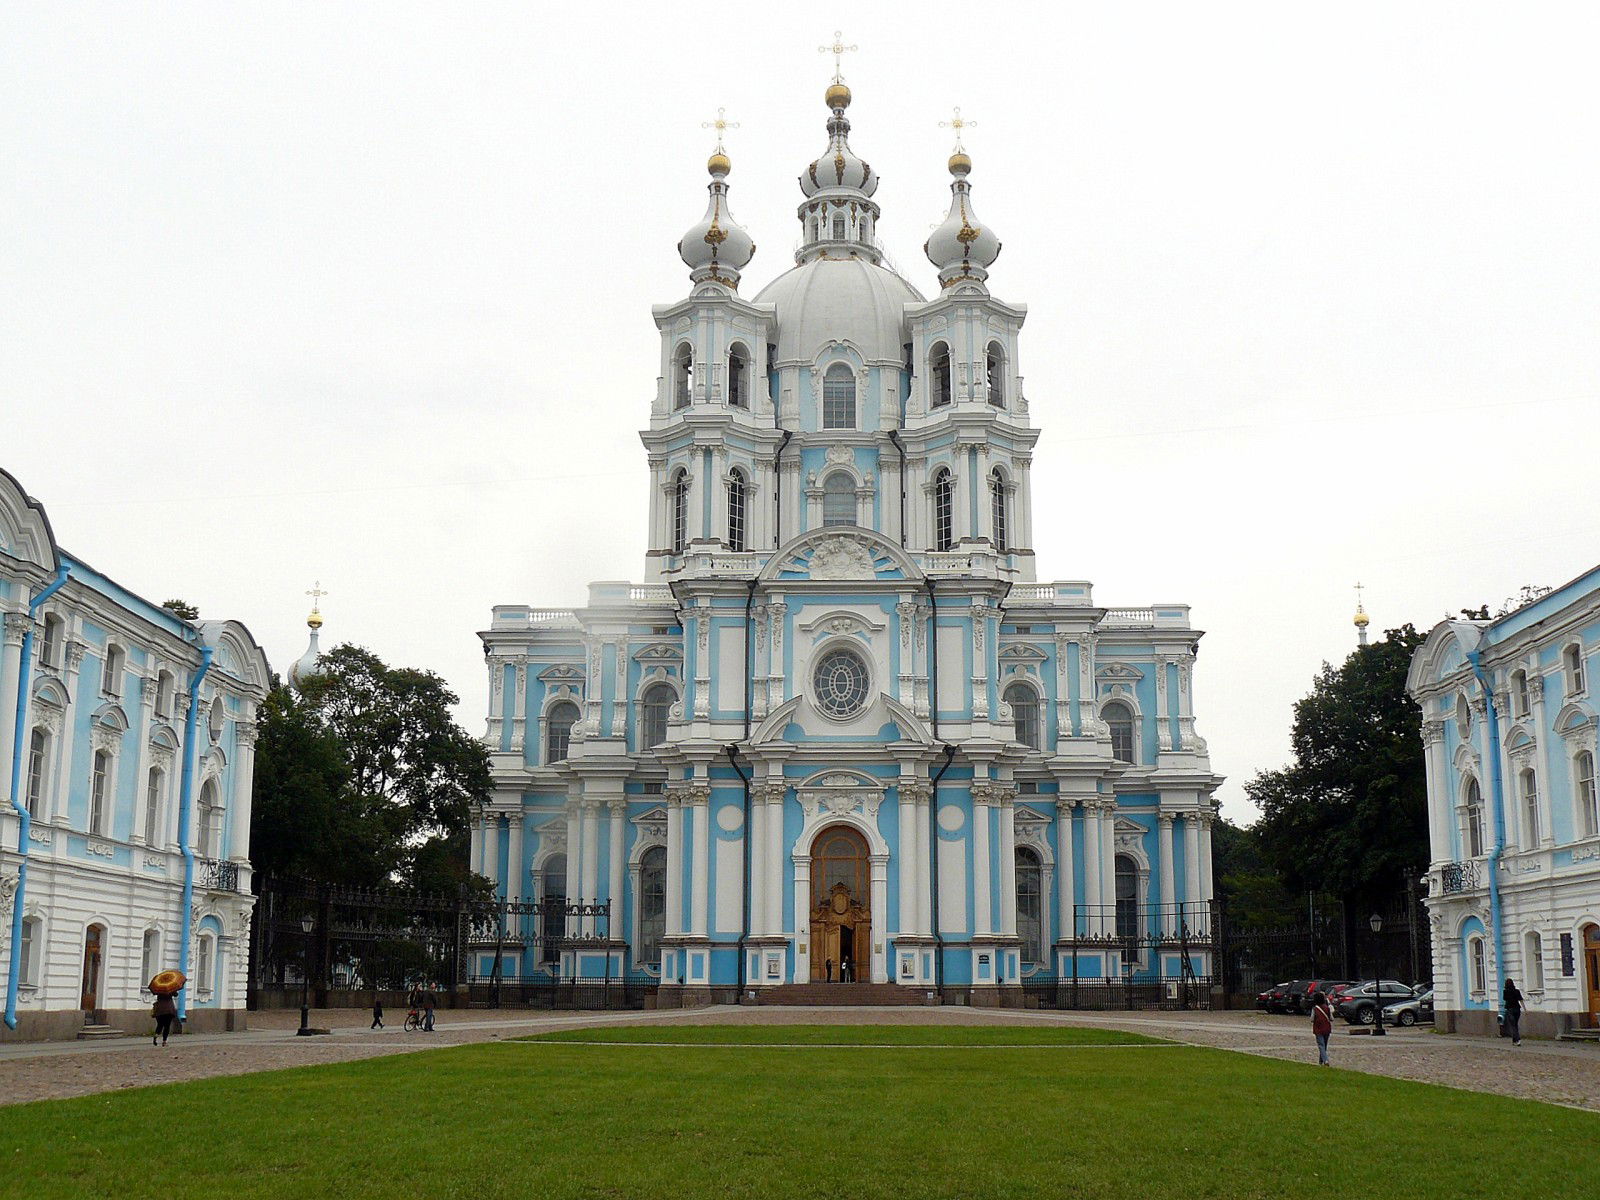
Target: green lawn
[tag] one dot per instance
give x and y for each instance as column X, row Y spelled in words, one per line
column 1053, row 1113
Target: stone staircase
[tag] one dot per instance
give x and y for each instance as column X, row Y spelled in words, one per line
column 91, row 1033
column 1581, row 1034
column 863, row 994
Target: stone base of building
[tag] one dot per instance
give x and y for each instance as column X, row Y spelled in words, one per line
column 989, row 995
column 1480, row 1022
column 694, row 995
column 64, row 1025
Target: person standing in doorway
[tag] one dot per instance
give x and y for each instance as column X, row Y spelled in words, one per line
column 377, row 1013
column 1511, row 999
column 165, row 1011
column 1321, row 1026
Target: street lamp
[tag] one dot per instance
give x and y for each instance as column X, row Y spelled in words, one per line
column 1375, row 923
column 306, row 924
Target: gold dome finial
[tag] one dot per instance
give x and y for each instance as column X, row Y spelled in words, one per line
column 837, row 96
column 1361, row 620
column 316, row 594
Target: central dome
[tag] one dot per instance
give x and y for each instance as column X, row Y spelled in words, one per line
column 840, row 299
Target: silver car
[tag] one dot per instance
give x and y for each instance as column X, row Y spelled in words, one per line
column 1409, row 1012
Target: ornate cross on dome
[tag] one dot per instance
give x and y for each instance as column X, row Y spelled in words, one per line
column 719, row 125
column 838, row 50
column 958, row 123
column 1359, row 586
column 316, row 594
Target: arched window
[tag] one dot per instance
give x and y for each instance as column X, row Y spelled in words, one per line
column 738, row 503
column 839, row 499
column 1529, row 786
column 99, row 789
column 553, row 924
column 997, row 500
column 1519, row 693
column 939, row 368
column 1472, row 820
column 652, row 905
column 150, row 958
column 654, row 707
column 152, row 806
column 838, row 227
column 1029, row 906
column 1478, row 974
column 1584, row 793
column 680, row 512
column 1533, row 962
column 205, row 964
column 1127, row 897
column 111, row 679
column 1463, row 719
column 164, row 694
column 210, row 821
column 30, row 952
column 558, row 731
column 944, row 509
column 682, row 377
column 1572, row 661
column 50, row 646
column 994, row 375
column 738, row 378
column 1024, row 702
column 38, row 766
column 839, row 398
column 1119, row 717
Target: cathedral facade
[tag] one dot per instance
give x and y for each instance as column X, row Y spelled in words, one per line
column 839, row 732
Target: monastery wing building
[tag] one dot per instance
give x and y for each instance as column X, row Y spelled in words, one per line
column 839, row 733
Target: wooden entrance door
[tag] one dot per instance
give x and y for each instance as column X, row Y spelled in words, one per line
column 841, row 907
column 1591, row 963
column 93, row 957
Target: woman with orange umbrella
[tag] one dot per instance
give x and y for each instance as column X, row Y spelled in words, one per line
column 165, row 985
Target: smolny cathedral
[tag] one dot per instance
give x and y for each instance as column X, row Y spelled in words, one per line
column 839, row 732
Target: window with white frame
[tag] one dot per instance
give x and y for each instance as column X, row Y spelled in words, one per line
column 839, row 499
column 1463, row 719
column 839, row 398
column 994, row 365
column 554, row 895
column 939, row 368
column 1528, row 785
column 654, row 708
column 50, row 644
column 1127, row 885
column 38, row 769
column 210, row 821
column 1572, row 666
column 1583, row 786
column 164, row 684
column 99, row 792
column 682, row 377
column 680, row 512
column 1119, row 718
column 31, row 952
column 738, row 378
column 944, row 505
column 111, row 677
column 738, row 504
column 155, row 787
column 150, row 957
column 1533, row 961
column 1025, row 714
column 1519, row 693
column 1030, row 907
column 838, row 227
column 997, row 501
column 1477, row 968
column 205, row 964
column 562, row 717
column 652, row 905
column 1472, row 820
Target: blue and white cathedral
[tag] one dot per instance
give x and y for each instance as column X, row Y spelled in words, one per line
column 839, row 732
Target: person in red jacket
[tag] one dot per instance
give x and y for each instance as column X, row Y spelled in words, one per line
column 1321, row 1026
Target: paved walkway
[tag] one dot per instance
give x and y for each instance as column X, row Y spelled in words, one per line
column 1556, row 1072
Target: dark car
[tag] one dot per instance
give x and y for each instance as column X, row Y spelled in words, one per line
column 1264, row 999
column 1358, row 1005
column 1278, row 998
column 1300, row 999
column 1409, row 1012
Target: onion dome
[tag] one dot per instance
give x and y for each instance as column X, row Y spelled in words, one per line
column 839, row 167
column 1361, row 618
column 838, row 219
column 962, row 247
column 305, row 666
column 717, row 248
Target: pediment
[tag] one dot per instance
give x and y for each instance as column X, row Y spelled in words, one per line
column 1022, row 653
column 661, row 653
column 842, row 621
column 836, row 553
column 1118, row 672
column 561, row 673
column 1129, row 828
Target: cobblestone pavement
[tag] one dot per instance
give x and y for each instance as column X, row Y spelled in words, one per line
column 1557, row 1072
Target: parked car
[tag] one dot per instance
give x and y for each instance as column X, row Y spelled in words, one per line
column 1409, row 1012
column 1359, row 1005
column 1302, row 997
column 1264, row 999
column 1278, row 997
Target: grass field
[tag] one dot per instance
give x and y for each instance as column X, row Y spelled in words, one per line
column 812, row 1111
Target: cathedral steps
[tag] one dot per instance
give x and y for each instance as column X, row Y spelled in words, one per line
column 91, row 1033
column 856, row 994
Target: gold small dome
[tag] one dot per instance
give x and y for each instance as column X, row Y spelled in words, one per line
column 1362, row 620
column 838, row 96
column 314, row 620
column 719, row 164
column 960, row 164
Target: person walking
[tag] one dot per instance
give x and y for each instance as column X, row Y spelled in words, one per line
column 1511, row 1000
column 165, row 1011
column 377, row 1013
column 427, row 1012
column 1321, row 1026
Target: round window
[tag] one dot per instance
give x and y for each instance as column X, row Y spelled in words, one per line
column 840, row 680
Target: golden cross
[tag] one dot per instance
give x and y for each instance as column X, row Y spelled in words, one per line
column 958, row 123
column 838, row 49
column 316, row 594
column 1359, row 586
column 719, row 125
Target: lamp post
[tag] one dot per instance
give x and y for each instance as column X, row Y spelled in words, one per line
column 306, row 924
column 1375, row 923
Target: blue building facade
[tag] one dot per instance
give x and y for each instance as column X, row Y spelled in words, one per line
column 840, row 731
column 127, row 739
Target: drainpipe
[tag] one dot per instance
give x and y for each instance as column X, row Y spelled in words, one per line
column 777, row 490
column 24, row 821
column 894, row 437
column 744, row 924
column 1475, row 657
column 933, row 800
column 185, row 798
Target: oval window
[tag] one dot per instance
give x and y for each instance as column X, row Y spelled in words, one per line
column 840, row 680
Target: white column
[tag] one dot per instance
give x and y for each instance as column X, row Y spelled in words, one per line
column 700, row 873
column 15, row 629
column 1091, row 925
column 908, row 855
column 1008, row 864
column 879, row 864
column 924, row 863
column 54, row 808
column 476, row 834
column 758, row 851
column 802, row 908
column 1441, row 803
column 591, row 860
column 244, row 769
column 574, row 860
column 619, row 815
column 1542, row 750
column 515, row 872
column 1191, row 864
column 674, row 864
column 1066, row 879
column 1206, row 892
column 1108, row 865
column 983, row 918
column 773, row 885
column 1169, row 910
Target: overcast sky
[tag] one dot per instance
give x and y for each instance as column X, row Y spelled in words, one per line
column 361, row 293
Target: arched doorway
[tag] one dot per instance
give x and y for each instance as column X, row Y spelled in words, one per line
column 94, row 953
column 841, row 906
column 1591, row 963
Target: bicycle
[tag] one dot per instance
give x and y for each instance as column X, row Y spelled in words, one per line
column 413, row 1021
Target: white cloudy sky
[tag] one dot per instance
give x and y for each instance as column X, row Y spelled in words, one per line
column 360, row 293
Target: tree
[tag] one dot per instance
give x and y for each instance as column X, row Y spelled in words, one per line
column 1252, row 893
column 181, row 608
column 368, row 767
column 1350, row 815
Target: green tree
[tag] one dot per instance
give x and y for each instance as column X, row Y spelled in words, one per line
column 181, row 608
column 1252, row 892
